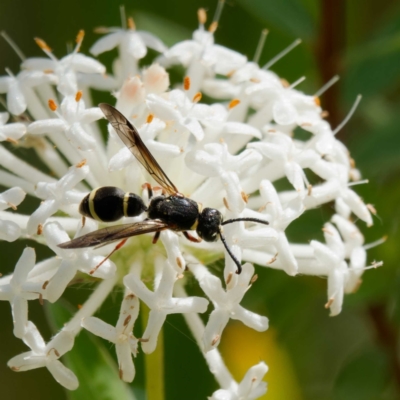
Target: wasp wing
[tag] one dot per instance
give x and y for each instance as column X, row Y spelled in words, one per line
column 112, row 233
column 130, row 136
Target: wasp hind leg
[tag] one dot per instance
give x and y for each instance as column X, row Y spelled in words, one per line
column 117, row 247
column 190, row 237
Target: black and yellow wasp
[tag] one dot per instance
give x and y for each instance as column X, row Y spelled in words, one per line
column 171, row 210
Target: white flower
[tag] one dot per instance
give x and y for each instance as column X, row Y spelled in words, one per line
column 251, row 387
column 67, row 68
column 121, row 335
column 56, row 195
column 19, row 290
column 226, row 304
column 161, row 303
column 228, row 156
column 71, row 120
column 11, row 132
column 71, row 261
column 42, row 355
column 11, row 198
column 19, row 89
column 132, row 46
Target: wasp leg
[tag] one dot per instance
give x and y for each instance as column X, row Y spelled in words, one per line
column 117, row 247
column 149, row 189
column 188, row 236
column 156, row 237
column 83, row 221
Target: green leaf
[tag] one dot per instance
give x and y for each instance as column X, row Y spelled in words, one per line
column 97, row 372
column 356, row 381
column 289, row 16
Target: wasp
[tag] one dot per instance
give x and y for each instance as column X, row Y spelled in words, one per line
column 171, row 210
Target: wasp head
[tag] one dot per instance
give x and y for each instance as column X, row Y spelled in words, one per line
column 209, row 224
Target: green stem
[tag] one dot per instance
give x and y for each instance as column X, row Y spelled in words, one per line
column 154, row 364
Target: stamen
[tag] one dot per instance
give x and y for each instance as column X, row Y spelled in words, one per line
column 218, row 13
column 78, row 95
column 186, row 83
column 131, row 24
column 197, row 97
column 9, row 72
column 282, row 54
column 202, row 16
column 317, row 101
column 233, row 103
column 52, row 105
column 260, row 45
column 150, row 118
column 376, row 243
column 372, row 209
column 80, row 36
column 373, row 265
column 349, row 115
column 42, row 44
column 101, row 30
column 294, row 84
column 327, row 85
column 123, row 16
column 254, row 278
column 13, row 45
column 358, row 183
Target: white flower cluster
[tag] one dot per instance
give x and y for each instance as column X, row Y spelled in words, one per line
column 225, row 155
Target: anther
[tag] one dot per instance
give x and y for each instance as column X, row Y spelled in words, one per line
column 186, row 83
column 317, row 101
column 233, row 103
column 42, row 44
column 245, row 196
column 229, row 278
column 44, row 286
column 329, row 303
column 149, row 118
column 80, row 36
column 197, row 97
column 131, row 24
column 215, row 340
column 127, row 319
column 213, row 27
column 372, row 209
column 52, row 105
column 78, row 95
column 202, row 16
column 81, row 164
column 226, row 203
column 253, row 278
column 11, row 205
column 39, row 230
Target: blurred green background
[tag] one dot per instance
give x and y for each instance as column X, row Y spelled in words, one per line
column 354, row 356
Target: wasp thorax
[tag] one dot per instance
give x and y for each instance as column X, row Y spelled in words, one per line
column 110, row 203
column 209, row 224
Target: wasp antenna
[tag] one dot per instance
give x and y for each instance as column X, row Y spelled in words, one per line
column 235, row 260
column 260, row 221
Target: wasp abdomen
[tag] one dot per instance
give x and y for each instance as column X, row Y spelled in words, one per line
column 109, row 203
